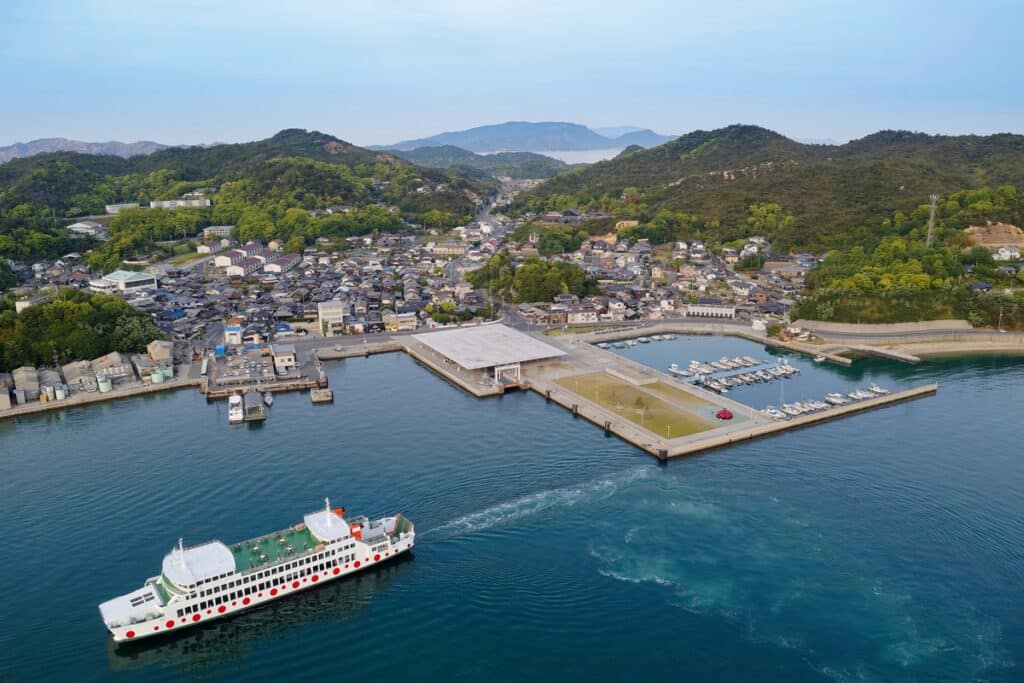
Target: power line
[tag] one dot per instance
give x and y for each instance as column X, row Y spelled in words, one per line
column 934, row 199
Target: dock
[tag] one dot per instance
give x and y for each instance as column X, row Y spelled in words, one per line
column 321, row 395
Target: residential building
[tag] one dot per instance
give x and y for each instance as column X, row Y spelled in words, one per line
column 396, row 322
column 331, row 316
column 284, row 357
column 217, row 231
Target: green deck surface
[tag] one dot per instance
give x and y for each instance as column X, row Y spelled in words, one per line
column 274, row 546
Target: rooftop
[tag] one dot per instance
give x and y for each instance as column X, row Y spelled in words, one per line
column 486, row 346
column 127, row 276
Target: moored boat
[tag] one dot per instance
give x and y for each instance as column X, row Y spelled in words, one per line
column 213, row 580
column 236, row 415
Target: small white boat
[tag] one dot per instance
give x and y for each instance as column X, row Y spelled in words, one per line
column 268, row 398
column 819, row 359
column 631, row 342
column 874, row 388
column 236, row 414
column 644, row 340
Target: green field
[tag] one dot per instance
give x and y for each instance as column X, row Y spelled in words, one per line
column 639, row 406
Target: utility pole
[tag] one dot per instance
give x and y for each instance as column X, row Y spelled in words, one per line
column 934, row 200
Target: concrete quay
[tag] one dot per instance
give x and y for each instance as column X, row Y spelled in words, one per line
column 82, row 399
column 359, row 350
column 475, row 382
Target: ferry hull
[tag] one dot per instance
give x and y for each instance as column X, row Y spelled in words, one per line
column 170, row 623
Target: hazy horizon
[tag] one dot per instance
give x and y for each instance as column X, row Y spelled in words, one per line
column 232, row 72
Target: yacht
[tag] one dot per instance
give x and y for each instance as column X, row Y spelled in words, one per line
column 236, row 414
column 875, row 389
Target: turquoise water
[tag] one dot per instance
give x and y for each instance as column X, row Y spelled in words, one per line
column 886, row 546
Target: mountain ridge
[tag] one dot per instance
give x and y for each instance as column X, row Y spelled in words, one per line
column 834, row 193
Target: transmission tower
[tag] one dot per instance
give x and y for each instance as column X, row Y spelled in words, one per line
column 934, row 199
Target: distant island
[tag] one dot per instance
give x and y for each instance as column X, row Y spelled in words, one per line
column 46, row 145
column 525, row 136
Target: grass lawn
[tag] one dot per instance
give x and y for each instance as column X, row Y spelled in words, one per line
column 187, row 257
column 637, row 406
column 677, row 395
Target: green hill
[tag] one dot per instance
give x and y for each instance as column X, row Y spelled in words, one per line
column 254, row 184
column 512, row 164
column 707, row 181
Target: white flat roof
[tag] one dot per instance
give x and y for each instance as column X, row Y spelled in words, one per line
column 326, row 525
column 487, row 346
column 196, row 564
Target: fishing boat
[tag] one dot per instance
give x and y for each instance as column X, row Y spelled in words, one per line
column 268, row 398
column 236, row 415
column 213, row 580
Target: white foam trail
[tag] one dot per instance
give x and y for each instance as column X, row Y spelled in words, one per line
column 542, row 501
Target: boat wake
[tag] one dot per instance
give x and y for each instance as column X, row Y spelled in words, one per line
column 536, row 503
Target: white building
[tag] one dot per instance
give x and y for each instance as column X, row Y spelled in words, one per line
column 217, row 231
column 331, row 316
column 88, row 229
column 1007, row 254
column 123, row 281
column 116, row 208
column 180, row 203
column 710, row 311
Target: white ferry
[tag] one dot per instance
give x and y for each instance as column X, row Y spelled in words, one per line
column 213, row 580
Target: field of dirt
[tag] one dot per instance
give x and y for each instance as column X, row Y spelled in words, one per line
column 995, row 235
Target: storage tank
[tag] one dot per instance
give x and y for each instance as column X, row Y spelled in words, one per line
column 50, row 392
column 219, row 350
column 157, row 375
column 104, row 383
column 61, row 392
column 167, row 370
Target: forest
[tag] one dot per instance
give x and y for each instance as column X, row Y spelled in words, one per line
column 534, row 280
column 73, row 325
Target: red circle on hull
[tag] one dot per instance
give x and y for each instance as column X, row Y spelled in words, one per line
column 245, row 601
column 315, row 578
column 196, row 617
column 376, row 558
column 170, row 623
column 357, row 564
column 273, row 591
column 295, row 584
column 336, row 571
column 130, row 634
column 222, row 609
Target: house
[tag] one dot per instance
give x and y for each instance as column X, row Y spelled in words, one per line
column 331, row 316
column 1007, row 253
column 396, row 322
column 981, row 286
column 233, row 328
column 581, row 313
column 284, row 357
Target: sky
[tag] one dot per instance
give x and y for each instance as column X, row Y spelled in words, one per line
column 189, row 72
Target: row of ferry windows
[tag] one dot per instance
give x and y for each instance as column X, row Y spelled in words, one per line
column 277, row 570
column 249, row 590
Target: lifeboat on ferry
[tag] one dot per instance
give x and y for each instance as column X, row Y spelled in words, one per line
column 356, row 531
column 724, row 414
